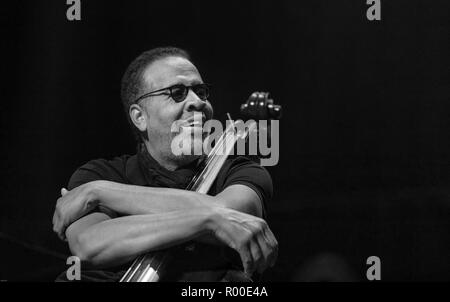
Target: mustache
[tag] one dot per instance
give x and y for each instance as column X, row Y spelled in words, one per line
column 198, row 118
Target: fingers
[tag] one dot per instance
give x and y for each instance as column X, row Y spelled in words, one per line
column 58, row 217
column 240, row 245
column 272, row 242
column 251, row 237
column 64, row 191
column 247, row 259
column 60, row 229
column 265, row 253
column 69, row 207
column 257, row 252
column 267, row 249
column 240, row 242
column 58, row 225
column 259, row 261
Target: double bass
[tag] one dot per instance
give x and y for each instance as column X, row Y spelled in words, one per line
column 150, row 267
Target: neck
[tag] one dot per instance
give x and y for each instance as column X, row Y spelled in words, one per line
column 167, row 162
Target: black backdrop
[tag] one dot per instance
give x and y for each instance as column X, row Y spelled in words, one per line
column 364, row 152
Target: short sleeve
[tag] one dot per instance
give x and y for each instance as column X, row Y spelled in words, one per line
column 244, row 171
column 98, row 169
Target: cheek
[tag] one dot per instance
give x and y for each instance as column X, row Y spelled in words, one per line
column 163, row 118
column 209, row 110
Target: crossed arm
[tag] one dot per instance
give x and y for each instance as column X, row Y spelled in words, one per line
column 157, row 218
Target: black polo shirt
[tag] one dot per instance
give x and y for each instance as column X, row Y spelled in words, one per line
column 196, row 262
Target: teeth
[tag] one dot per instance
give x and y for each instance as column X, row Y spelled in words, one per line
column 193, row 124
column 196, row 124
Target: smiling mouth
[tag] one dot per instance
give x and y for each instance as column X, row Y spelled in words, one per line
column 196, row 121
column 193, row 124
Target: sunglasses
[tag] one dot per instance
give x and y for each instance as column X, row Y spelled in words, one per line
column 179, row 92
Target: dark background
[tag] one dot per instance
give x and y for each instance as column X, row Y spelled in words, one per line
column 364, row 153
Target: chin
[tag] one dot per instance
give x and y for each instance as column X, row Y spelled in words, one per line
column 183, row 160
column 196, row 148
column 186, row 145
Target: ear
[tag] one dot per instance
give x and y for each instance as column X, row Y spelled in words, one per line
column 138, row 117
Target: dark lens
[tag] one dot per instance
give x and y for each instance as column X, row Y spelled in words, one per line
column 178, row 93
column 201, row 91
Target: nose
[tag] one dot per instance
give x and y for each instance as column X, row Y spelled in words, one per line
column 193, row 102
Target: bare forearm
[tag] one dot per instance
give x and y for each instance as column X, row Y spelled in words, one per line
column 116, row 241
column 139, row 200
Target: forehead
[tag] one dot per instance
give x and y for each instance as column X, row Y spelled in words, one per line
column 169, row 71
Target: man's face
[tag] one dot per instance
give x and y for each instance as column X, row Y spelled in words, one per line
column 162, row 111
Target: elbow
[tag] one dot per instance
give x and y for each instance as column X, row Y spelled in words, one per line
column 254, row 208
column 82, row 247
column 251, row 207
column 93, row 251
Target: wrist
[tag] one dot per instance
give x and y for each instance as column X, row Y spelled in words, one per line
column 213, row 218
column 94, row 190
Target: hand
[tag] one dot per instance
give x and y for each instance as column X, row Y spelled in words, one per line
column 249, row 235
column 71, row 206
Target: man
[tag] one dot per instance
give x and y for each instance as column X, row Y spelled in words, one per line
column 115, row 210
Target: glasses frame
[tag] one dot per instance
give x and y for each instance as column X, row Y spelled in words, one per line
column 160, row 92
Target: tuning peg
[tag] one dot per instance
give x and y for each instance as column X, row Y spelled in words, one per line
column 260, row 106
column 275, row 111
